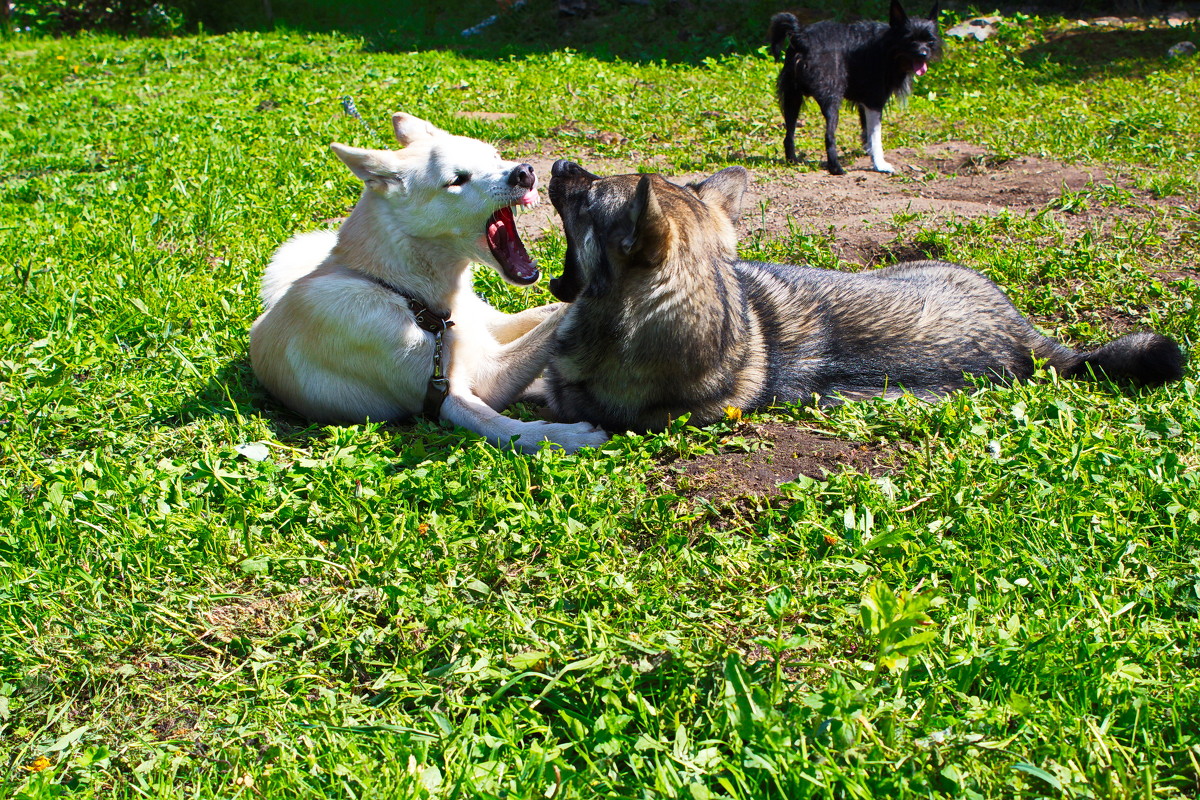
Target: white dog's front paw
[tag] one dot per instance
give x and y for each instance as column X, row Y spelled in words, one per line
column 883, row 166
column 568, row 436
column 588, row 436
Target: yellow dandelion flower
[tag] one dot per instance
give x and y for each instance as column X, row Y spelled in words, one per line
column 831, row 540
column 38, row 764
column 733, row 414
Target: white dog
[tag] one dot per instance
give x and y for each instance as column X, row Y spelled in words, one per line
column 372, row 321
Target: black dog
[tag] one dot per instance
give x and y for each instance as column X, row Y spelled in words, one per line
column 864, row 62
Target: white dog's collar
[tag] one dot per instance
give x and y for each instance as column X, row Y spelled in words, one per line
column 436, row 322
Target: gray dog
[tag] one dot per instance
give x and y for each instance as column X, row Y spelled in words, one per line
column 666, row 320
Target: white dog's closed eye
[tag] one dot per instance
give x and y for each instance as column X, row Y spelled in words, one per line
column 460, row 179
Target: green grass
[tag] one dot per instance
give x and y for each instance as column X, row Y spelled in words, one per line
column 405, row 611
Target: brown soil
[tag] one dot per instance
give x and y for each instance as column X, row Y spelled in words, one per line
column 777, row 454
column 857, row 210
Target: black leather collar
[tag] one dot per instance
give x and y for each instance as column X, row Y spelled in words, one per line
column 436, row 322
column 427, row 318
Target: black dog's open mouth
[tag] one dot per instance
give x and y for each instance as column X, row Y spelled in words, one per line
column 567, row 177
column 567, row 286
column 505, row 243
column 919, row 67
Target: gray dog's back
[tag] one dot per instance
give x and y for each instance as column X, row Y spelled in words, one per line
column 917, row 326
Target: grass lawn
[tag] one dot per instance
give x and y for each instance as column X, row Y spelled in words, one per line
column 203, row 596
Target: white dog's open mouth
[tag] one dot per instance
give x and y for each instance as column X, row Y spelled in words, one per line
column 506, row 245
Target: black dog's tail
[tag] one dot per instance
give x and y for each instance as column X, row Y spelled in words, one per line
column 1145, row 359
column 783, row 27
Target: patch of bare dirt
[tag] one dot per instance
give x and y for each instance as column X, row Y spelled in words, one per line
column 777, row 454
column 858, row 211
column 255, row 615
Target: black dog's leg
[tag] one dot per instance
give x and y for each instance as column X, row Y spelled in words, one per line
column 829, row 109
column 791, row 112
column 862, row 121
column 790, row 102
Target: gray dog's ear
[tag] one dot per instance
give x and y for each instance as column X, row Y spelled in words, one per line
column 724, row 190
column 647, row 229
column 897, row 18
column 409, row 129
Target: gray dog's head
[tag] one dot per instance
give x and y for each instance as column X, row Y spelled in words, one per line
column 632, row 222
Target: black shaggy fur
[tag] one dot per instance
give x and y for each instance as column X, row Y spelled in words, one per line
column 864, row 62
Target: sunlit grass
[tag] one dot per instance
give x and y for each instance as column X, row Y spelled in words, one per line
column 406, row 611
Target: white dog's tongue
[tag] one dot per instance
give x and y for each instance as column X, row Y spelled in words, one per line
column 922, row 66
column 506, row 245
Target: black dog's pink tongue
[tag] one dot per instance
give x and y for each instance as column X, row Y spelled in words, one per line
column 506, row 245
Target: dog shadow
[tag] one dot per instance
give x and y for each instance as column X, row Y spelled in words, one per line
column 806, row 163
column 235, row 395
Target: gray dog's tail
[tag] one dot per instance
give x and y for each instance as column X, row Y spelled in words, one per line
column 783, row 27
column 1146, row 359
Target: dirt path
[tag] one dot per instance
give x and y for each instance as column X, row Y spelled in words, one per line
column 952, row 179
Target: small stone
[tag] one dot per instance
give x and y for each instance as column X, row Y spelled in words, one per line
column 254, row 451
column 1182, row 49
column 979, row 28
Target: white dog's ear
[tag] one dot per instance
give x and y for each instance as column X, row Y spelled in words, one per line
column 724, row 190
column 376, row 168
column 409, row 129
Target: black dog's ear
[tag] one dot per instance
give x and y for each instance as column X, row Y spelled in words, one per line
column 647, row 229
column 896, row 15
column 937, row 9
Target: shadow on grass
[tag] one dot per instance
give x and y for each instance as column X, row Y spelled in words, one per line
column 677, row 31
column 234, row 394
column 1117, row 52
column 682, row 31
